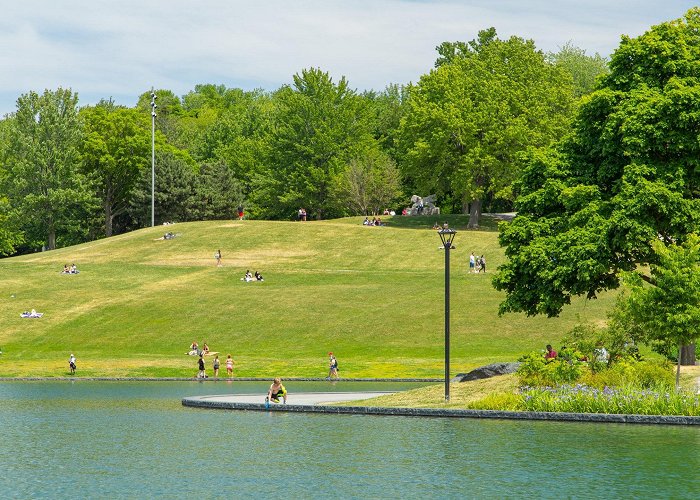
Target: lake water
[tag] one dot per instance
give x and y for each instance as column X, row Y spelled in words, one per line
column 135, row 440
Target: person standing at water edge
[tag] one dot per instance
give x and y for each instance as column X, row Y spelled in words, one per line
column 229, row 366
column 216, row 366
column 202, row 373
column 71, row 364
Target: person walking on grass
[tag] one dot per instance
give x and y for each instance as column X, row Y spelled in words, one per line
column 71, row 364
column 332, row 366
column 216, row 366
column 217, row 256
column 472, row 262
column 229, row 366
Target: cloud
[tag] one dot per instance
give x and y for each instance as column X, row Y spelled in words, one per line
column 104, row 49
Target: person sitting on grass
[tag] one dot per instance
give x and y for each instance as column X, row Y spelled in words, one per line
column 247, row 277
column 551, row 353
column 276, row 390
column 194, row 348
column 258, row 276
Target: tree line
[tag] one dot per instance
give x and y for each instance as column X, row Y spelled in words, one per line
column 70, row 174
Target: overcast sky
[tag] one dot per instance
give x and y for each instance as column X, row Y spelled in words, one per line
column 120, row 48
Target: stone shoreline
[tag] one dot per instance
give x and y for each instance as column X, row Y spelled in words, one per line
column 212, row 379
column 204, row 402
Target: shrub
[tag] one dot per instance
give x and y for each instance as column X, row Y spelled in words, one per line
column 535, row 370
column 629, row 372
column 626, row 400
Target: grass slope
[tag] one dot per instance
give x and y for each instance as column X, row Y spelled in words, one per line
column 373, row 295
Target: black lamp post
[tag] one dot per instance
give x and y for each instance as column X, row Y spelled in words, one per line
column 153, row 156
column 447, row 236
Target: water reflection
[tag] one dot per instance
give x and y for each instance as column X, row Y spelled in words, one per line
column 98, row 439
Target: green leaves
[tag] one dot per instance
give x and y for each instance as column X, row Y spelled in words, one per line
column 468, row 120
column 626, row 178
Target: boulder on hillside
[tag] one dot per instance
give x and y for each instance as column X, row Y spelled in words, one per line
column 487, row 371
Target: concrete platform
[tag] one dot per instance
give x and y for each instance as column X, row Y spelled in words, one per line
column 296, row 398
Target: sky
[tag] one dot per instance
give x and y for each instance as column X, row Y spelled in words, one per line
column 121, row 48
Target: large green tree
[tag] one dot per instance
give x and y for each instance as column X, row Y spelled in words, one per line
column 44, row 181
column 116, row 148
column 584, row 69
column 469, row 118
column 628, row 176
column 319, row 126
column 668, row 310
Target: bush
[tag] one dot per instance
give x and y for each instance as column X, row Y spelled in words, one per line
column 535, row 370
column 629, row 372
column 626, row 400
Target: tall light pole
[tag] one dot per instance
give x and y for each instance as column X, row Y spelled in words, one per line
column 447, row 236
column 153, row 157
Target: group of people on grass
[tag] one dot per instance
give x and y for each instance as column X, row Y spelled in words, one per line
column 196, row 351
column 72, row 269
column 247, row 277
column 600, row 353
column 216, row 364
column 477, row 264
column 302, row 214
column 376, row 221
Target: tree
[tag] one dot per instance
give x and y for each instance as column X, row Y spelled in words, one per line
column 584, row 69
column 217, row 193
column 372, row 182
column 174, row 190
column 115, row 151
column 319, row 126
column 469, row 119
column 668, row 310
column 44, row 182
column 628, row 176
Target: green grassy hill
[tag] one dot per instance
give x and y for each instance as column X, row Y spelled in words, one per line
column 373, row 295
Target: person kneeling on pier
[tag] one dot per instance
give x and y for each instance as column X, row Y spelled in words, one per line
column 276, row 390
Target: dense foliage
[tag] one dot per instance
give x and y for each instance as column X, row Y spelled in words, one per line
column 71, row 174
column 620, row 195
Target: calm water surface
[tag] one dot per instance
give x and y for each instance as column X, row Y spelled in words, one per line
column 135, row 440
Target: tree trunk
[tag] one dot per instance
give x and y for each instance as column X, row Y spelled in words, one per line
column 688, row 355
column 474, row 214
column 109, row 219
column 678, row 368
column 51, row 236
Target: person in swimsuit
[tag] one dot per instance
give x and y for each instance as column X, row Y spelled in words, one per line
column 276, row 390
column 229, row 366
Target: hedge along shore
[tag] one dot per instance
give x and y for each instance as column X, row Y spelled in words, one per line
column 201, row 402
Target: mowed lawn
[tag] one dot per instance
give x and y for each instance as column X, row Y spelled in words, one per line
column 372, row 295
